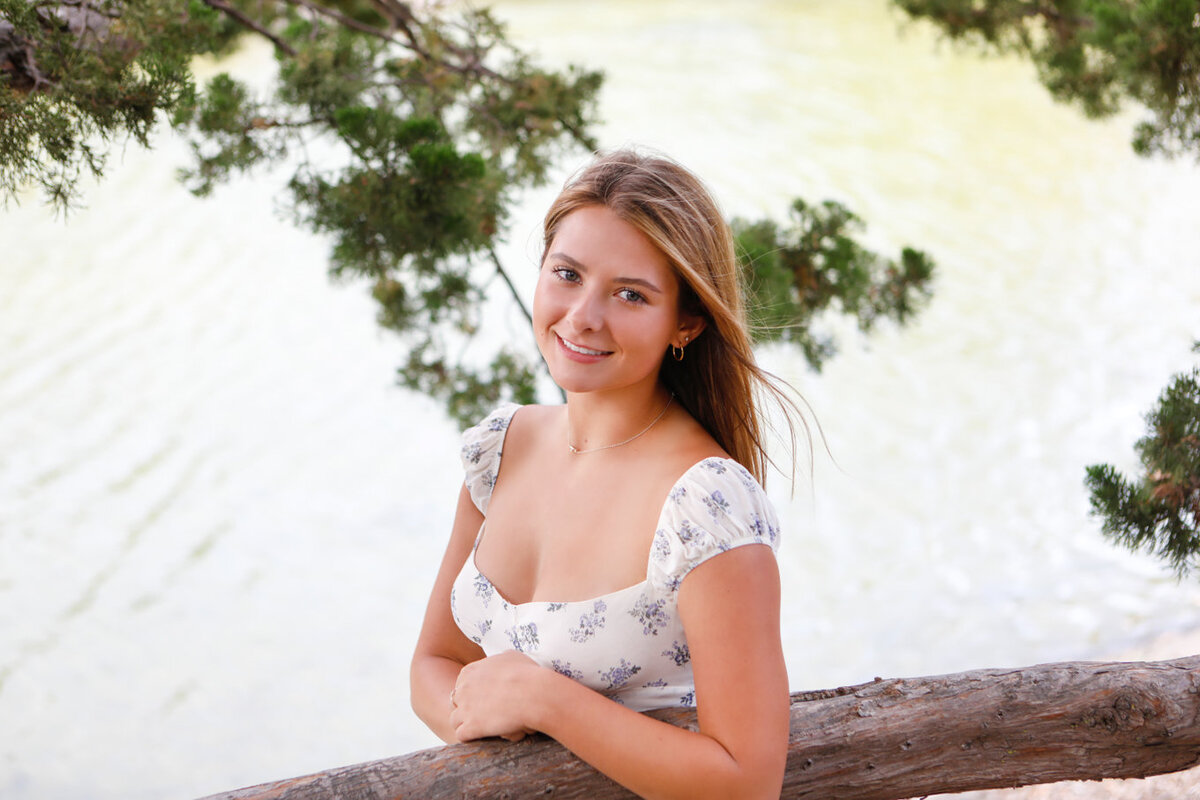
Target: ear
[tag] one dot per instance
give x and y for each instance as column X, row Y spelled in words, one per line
column 690, row 327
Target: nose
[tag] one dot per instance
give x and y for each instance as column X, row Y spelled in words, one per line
column 586, row 312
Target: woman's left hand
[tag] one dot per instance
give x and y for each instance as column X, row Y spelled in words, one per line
column 493, row 696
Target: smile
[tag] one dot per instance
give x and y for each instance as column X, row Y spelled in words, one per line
column 583, row 351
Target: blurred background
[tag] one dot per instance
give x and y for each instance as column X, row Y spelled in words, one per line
column 220, row 517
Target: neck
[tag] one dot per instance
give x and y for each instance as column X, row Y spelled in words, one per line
column 596, row 420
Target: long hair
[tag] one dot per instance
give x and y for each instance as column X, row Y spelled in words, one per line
column 717, row 381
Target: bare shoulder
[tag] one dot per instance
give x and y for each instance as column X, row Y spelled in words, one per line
column 690, row 443
column 531, row 426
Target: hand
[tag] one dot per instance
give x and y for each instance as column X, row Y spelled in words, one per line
column 493, row 696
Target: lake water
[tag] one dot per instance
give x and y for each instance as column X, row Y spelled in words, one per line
column 219, row 518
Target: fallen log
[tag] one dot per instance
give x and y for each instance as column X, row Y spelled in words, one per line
column 884, row 740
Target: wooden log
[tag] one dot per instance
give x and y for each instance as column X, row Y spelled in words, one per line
column 884, row 740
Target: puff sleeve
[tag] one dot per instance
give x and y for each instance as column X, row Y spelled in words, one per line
column 716, row 506
column 482, row 446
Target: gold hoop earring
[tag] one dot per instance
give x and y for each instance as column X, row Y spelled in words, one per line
column 677, row 350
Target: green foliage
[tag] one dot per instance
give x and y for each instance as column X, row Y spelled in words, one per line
column 471, row 394
column 815, row 265
column 1160, row 512
column 1096, row 54
column 406, row 139
column 428, row 130
column 74, row 76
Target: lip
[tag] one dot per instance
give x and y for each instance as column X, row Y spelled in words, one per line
column 584, row 358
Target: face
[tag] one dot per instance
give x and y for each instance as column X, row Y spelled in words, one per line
column 606, row 306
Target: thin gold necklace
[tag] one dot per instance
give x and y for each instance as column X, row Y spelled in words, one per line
column 653, row 422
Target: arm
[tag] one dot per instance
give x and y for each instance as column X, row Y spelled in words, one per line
column 730, row 610
column 442, row 649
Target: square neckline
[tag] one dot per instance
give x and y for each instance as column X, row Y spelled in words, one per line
column 590, row 600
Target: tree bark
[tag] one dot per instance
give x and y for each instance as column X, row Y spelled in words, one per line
column 885, row 740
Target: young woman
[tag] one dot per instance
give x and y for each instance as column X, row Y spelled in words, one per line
column 617, row 554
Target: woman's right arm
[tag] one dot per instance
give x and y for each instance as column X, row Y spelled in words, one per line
column 442, row 649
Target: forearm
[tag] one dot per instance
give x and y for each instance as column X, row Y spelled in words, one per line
column 431, row 678
column 652, row 758
column 442, row 649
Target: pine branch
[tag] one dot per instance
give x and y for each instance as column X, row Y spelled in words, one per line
column 343, row 19
column 245, row 21
column 508, row 282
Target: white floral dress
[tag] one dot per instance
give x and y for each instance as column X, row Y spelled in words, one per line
column 628, row 644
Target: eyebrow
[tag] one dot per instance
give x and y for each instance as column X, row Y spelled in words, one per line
column 580, row 267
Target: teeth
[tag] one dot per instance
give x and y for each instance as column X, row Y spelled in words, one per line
column 582, row 350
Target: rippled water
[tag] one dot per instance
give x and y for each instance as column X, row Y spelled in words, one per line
column 219, row 519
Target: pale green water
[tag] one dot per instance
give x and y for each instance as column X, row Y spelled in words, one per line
column 218, row 521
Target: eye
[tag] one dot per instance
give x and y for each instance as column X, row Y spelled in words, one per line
column 630, row 296
column 566, row 274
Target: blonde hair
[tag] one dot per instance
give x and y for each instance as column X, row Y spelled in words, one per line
column 718, row 381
